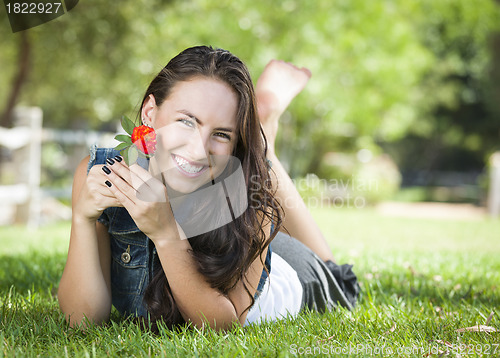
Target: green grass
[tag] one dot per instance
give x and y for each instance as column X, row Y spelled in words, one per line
column 421, row 279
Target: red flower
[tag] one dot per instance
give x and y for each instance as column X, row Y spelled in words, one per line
column 138, row 142
column 144, row 138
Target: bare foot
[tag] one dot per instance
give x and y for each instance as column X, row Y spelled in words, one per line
column 278, row 84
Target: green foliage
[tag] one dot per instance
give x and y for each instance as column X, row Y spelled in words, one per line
column 456, row 128
column 128, row 126
column 381, row 69
column 130, row 155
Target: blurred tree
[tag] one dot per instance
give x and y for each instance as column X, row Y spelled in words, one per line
column 6, row 120
column 493, row 85
column 382, row 71
column 456, row 127
column 88, row 67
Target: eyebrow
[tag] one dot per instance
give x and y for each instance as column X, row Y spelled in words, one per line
column 192, row 116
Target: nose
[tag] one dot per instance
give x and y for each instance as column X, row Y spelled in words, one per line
column 197, row 146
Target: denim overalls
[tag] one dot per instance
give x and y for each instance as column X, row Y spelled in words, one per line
column 133, row 255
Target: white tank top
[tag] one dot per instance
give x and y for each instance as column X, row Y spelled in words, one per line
column 281, row 295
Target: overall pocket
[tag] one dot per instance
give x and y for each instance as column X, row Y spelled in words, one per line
column 128, row 265
column 128, row 274
column 129, row 262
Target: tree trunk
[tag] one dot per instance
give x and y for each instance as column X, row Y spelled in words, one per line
column 18, row 81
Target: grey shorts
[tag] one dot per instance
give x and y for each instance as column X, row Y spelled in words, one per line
column 321, row 292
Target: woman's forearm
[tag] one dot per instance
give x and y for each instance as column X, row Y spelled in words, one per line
column 197, row 301
column 84, row 290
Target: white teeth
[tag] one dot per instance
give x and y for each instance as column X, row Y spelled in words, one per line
column 184, row 164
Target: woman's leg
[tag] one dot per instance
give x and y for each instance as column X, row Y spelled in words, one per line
column 322, row 290
column 276, row 87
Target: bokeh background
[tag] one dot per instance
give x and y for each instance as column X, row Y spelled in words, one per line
column 403, row 105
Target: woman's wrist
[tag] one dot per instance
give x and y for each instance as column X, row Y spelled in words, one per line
column 171, row 244
column 169, row 236
column 81, row 219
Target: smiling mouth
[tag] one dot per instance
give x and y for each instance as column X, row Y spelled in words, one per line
column 188, row 168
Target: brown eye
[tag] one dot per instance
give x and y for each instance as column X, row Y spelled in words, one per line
column 223, row 135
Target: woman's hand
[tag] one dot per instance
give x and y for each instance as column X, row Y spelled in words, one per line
column 94, row 196
column 145, row 199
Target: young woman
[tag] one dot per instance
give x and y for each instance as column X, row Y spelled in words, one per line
column 197, row 233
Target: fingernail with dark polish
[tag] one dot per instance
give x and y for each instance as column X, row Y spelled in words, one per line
column 118, row 158
column 110, row 161
column 108, row 183
column 106, row 170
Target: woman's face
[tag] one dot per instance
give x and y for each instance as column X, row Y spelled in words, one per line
column 195, row 130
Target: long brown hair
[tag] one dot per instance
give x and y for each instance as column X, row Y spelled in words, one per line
column 223, row 255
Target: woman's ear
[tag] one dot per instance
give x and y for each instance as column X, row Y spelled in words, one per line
column 148, row 111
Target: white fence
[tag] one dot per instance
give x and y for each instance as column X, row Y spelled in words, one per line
column 23, row 199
